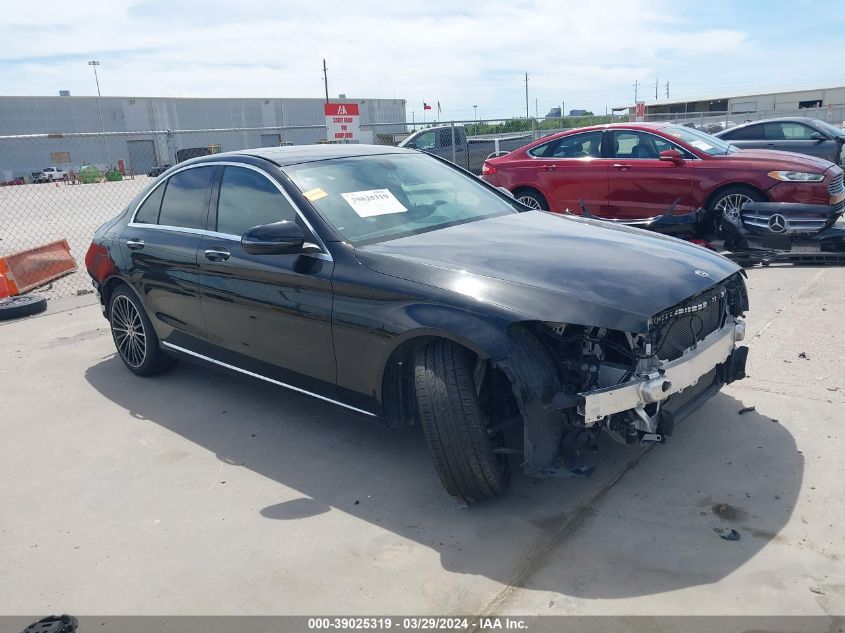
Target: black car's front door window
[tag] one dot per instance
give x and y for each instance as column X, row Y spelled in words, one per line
column 249, row 199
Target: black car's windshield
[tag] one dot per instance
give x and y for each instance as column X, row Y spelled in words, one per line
column 377, row 198
column 702, row 141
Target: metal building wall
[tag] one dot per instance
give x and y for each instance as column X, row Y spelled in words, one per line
column 61, row 115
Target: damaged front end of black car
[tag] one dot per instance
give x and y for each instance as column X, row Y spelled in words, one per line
column 634, row 386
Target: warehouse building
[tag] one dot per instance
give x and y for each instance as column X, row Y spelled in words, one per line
column 823, row 103
column 144, row 132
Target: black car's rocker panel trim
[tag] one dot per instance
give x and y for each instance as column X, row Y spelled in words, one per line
column 279, row 383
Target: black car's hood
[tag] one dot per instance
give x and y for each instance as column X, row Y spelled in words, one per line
column 555, row 268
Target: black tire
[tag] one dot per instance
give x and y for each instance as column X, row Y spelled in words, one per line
column 454, row 424
column 21, row 306
column 731, row 199
column 134, row 337
column 532, row 199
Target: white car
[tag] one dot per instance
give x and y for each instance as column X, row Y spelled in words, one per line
column 49, row 174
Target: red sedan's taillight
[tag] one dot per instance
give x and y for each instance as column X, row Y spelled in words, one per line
column 487, row 169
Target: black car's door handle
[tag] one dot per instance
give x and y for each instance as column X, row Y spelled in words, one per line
column 134, row 245
column 217, row 254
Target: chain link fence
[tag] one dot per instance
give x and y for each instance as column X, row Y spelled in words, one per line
column 63, row 186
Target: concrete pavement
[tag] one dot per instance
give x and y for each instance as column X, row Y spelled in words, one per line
column 198, row 492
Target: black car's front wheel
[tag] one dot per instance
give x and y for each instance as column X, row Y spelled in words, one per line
column 134, row 336
column 456, row 429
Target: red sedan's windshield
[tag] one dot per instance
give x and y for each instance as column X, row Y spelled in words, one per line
column 699, row 140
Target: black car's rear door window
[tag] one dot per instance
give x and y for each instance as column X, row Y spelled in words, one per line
column 185, row 202
column 148, row 213
column 247, row 199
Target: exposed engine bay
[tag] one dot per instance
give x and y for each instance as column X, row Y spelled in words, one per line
column 636, row 386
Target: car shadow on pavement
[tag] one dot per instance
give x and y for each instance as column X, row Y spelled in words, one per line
column 658, row 530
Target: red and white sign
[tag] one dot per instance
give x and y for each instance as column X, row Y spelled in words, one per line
column 640, row 111
column 342, row 121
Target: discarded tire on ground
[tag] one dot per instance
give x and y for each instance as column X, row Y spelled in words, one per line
column 21, row 306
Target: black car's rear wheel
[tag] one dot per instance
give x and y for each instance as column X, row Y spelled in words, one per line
column 455, row 426
column 134, row 336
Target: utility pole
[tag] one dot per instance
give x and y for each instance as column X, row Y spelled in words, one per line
column 527, row 114
column 94, row 64
column 475, row 113
column 636, row 90
column 326, row 80
column 667, row 89
column 656, row 83
column 536, row 109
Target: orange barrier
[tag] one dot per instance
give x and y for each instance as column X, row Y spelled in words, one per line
column 36, row 266
column 4, row 288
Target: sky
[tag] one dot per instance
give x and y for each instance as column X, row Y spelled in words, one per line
column 586, row 55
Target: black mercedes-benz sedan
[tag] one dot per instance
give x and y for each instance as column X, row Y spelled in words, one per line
column 396, row 285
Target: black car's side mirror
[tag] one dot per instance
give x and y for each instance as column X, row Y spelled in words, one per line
column 817, row 136
column 274, row 239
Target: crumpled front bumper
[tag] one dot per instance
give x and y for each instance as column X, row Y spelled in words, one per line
column 716, row 357
column 783, row 231
column 683, row 225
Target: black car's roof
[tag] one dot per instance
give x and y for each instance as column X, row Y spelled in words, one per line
column 306, row 153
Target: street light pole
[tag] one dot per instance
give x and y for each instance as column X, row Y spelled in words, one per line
column 94, row 64
column 475, row 107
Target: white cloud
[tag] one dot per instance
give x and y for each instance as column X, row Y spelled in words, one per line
column 461, row 55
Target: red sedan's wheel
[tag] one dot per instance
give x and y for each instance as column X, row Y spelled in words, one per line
column 728, row 205
column 532, row 199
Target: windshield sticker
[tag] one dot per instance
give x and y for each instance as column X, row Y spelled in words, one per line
column 314, row 194
column 702, row 145
column 373, row 202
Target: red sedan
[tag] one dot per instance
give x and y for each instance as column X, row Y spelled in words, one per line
column 637, row 170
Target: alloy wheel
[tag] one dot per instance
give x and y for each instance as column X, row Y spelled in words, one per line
column 530, row 202
column 731, row 205
column 128, row 330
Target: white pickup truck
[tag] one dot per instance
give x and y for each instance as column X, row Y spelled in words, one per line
column 49, row 174
column 452, row 143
